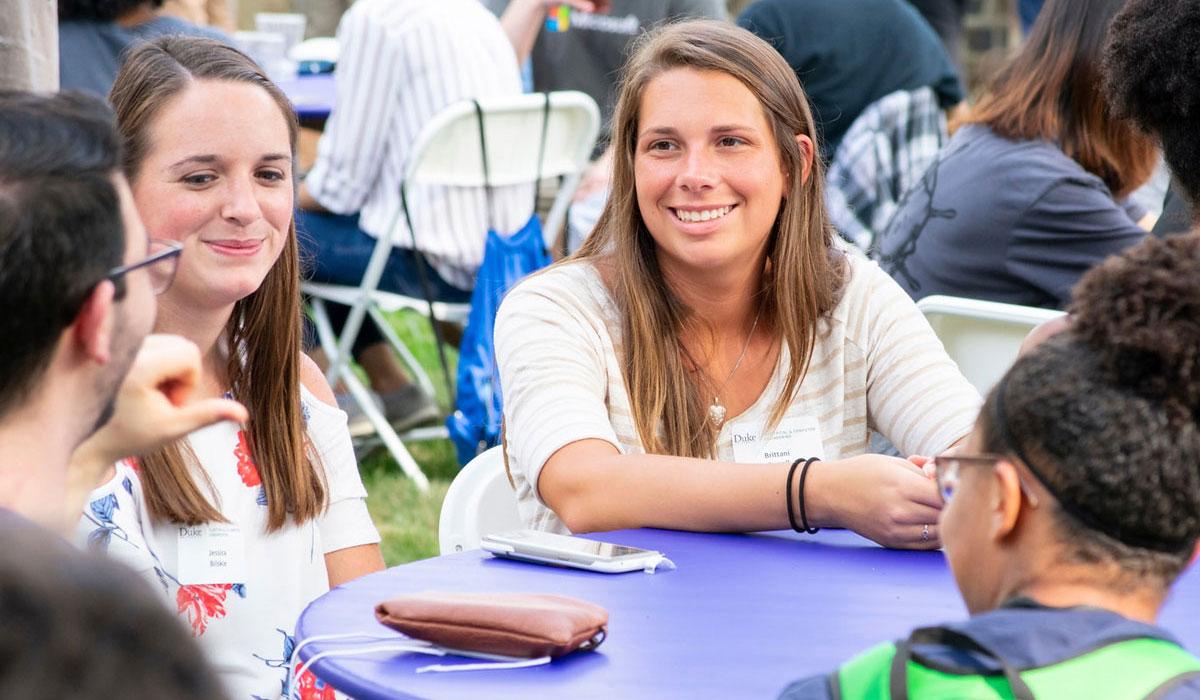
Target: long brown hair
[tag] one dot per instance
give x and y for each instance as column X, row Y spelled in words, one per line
column 263, row 333
column 804, row 276
column 1053, row 90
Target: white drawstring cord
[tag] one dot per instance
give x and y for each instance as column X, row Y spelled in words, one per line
column 413, row 646
column 291, row 662
column 491, row 666
column 497, row 662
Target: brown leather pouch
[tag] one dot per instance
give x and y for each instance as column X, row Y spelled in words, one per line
column 509, row 624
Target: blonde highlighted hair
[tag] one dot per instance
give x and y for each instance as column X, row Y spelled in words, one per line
column 802, row 276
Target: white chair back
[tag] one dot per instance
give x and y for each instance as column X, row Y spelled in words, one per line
column 447, row 149
column 480, row 501
column 983, row 337
column 446, row 152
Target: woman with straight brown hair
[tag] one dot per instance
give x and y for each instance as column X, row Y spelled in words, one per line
column 1031, row 191
column 242, row 526
column 708, row 346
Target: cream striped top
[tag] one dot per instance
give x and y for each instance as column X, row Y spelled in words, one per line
column 876, row 365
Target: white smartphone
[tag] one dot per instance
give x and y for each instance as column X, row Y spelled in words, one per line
column 565, row 550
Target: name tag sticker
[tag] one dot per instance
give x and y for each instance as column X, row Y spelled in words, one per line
column 793, row 438
column 211, row 553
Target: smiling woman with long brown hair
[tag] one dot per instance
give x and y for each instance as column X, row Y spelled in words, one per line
column 708, row 344
column 242, row 526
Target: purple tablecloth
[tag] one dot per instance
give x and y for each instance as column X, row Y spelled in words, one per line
column 312, row 96
column 741, row 617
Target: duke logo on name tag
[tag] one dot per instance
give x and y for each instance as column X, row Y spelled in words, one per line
column 793, row 438
column 211, row 553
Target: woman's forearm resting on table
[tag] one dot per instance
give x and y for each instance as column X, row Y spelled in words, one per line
column 591, row 487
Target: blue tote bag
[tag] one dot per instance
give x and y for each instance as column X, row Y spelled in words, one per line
column 478, row 408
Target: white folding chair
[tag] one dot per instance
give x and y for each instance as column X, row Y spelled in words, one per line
column 480, row 501
column 447, row 153
column 983, row 337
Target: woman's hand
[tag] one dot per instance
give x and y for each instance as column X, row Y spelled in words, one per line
column 596, row 178
column 885, row 499
column 925, row 464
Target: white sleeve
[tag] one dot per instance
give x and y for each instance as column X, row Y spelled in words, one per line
column 346, row 522
column 916, row 396
column 351, row 150
column 551, row 359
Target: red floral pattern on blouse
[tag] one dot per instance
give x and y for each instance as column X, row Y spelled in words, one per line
column 202, row 602
column 309, row 687
column 246, row 467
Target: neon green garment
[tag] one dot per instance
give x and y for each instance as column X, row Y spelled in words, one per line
column 1123, row 670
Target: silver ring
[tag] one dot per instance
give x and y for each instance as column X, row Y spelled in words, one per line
column 925, row 533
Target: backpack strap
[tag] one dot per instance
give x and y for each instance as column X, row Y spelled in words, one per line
column 487, row 176
column 541, row 148
column 944, row 636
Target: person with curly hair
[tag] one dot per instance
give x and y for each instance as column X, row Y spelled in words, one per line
column 93, row 34
column 1073, row 507
column 1152, row 72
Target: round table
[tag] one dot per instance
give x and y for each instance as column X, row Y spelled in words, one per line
column 742, row 616
column 312, row 96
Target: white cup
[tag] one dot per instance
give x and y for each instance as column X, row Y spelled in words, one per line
column 269, row 50
column 289, row 24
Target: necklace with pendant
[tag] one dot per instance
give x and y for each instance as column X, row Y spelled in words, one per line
column 716, row 411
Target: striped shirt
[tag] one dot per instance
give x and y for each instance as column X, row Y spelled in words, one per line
column 402, row 62
column 876, row 366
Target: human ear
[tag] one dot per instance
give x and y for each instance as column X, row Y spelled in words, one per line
column 1006, row 499
column 807, row 153
column 93, row 325
column 1043, row 332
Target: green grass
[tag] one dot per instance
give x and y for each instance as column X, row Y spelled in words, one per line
column 407, row 519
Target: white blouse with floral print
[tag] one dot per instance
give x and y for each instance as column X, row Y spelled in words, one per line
column 246, row 625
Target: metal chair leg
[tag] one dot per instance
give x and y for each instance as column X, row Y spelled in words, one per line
column 384, row 429
column 406, row 356
column 339, row 369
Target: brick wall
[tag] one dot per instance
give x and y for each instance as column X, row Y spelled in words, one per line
column 991, row 32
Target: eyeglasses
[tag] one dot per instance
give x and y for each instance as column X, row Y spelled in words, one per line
column 949, row 465
column 161, row 263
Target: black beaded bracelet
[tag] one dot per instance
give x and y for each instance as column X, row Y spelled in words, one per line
column 787, row 492
column 803, row 515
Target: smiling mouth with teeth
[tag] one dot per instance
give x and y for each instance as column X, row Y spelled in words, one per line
column 703, row 215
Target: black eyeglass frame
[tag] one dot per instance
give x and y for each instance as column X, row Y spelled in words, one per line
column 173, row 249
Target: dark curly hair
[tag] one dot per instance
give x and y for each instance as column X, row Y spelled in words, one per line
column 1105, row 414
column 99, row 10
column 1152, row 70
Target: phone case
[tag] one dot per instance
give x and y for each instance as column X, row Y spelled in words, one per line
column 586, row 562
